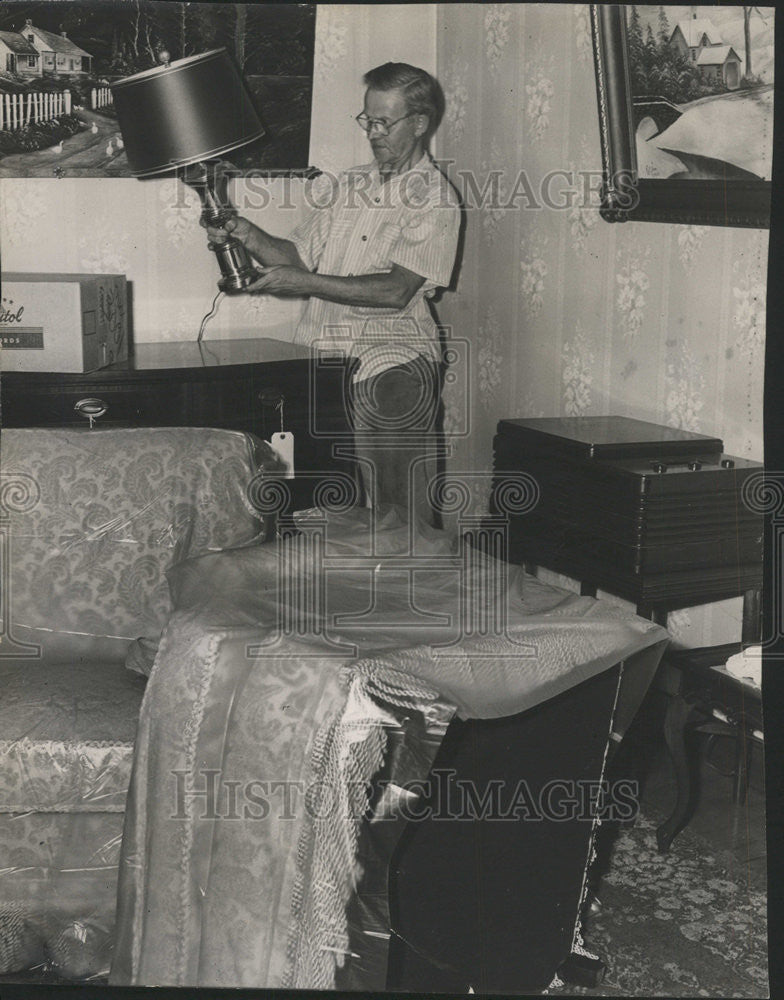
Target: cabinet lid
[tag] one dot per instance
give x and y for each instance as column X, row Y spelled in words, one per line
column 606, row 437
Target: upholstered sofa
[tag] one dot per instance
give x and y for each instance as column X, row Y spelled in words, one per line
column 97, row 525
column 91, row 521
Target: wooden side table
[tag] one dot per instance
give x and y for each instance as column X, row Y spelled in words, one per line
column 705, row 697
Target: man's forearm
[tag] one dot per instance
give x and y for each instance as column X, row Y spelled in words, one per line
column 268, row 250
column 383, row 290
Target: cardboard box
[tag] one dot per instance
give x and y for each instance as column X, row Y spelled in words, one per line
column 62, row 322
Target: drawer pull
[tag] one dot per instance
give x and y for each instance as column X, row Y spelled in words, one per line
column 272, row 397
column 91, row 408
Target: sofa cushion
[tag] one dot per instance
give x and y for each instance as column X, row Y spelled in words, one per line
column 63, row 647
column 40, row 842
column 67, row 735
column 97, row 517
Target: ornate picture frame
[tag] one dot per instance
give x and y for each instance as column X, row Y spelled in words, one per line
column 628, row 196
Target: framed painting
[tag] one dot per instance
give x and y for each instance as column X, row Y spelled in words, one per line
column 686, row 112
column 58, row 62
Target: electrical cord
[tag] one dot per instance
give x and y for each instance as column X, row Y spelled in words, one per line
column 209, row 315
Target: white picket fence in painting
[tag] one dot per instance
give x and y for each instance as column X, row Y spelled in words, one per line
column 18, row 110
column 101, row 96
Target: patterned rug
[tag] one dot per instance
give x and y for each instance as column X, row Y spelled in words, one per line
column 680, row 924
column 684, row 924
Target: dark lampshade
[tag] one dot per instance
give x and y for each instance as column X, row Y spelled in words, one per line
column 190, row 110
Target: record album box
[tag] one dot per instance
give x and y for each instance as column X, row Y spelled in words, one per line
column 63, row 322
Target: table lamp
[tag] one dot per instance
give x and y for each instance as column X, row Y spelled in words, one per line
column 184, row 116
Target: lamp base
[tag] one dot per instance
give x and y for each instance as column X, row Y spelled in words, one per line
column 210, row 180
column 236, row 268
column 236, row 284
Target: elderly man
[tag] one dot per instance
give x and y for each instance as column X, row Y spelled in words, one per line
column 377, row 243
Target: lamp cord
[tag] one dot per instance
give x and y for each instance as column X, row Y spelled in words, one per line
column 209, row 316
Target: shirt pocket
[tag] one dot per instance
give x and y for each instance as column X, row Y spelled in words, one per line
column 334, row 259
column 382, row 244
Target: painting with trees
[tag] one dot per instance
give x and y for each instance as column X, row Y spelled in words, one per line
column 57, row 61
column 701, row 82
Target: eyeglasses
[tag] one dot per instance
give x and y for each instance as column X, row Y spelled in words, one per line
column 383, row 127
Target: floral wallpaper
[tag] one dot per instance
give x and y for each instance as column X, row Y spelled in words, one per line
column 567, row 314
column 150, row 232
column 350, row 40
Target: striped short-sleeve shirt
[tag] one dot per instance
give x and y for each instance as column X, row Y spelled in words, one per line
column 359, row 225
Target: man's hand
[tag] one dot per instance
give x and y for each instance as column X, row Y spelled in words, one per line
column 271, row 251
column 283, row 280
column 236, row 226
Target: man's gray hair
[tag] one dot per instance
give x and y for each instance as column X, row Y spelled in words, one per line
column 422, row 92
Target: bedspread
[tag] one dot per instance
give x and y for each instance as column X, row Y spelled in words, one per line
column 264, row 721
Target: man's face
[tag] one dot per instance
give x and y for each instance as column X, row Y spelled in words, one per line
column 403, row 138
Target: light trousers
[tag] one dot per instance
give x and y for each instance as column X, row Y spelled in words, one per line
column 394, row 416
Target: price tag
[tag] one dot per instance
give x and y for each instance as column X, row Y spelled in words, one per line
column 282, row 443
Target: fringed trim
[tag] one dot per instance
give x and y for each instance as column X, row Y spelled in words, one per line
column 347, row 753
column 191, row 730
column 395, row 686
column 578, row 948
column 304, row 857
column 24, row 744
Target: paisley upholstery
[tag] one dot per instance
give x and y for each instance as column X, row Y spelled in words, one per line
column 96, row 518
column 66, row 736
column 93, row 520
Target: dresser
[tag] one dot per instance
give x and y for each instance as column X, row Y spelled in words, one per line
column 248, row 385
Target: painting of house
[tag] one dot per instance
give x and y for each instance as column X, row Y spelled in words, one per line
column 720, row 64
column 18, row 55
column 699, row 40
column 702, row 90
column 692, row 35
column 59, row 55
